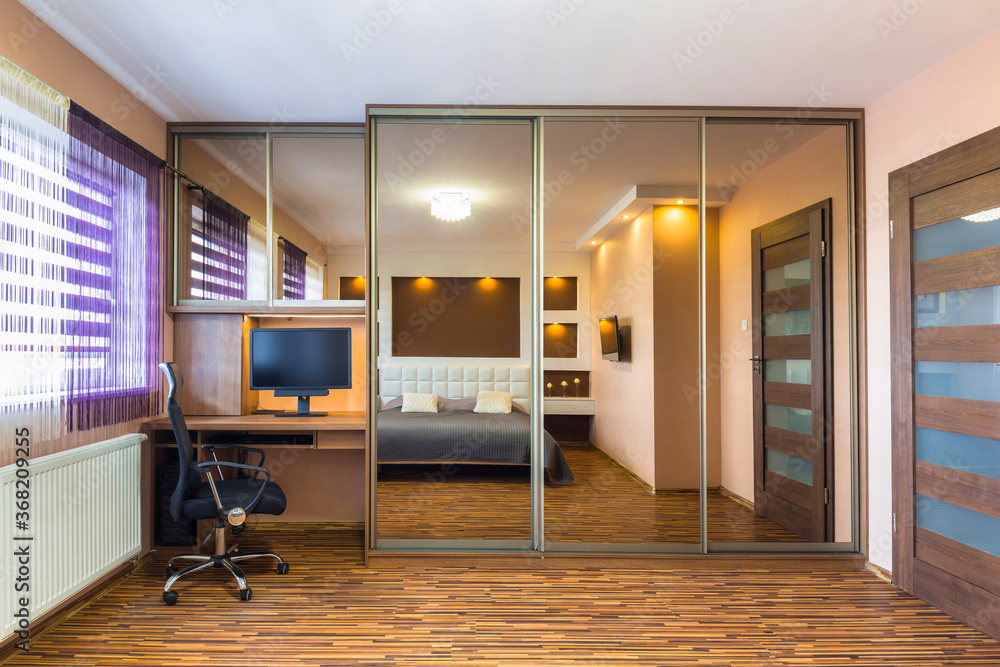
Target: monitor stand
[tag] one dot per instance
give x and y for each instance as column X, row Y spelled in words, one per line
column 303, row 410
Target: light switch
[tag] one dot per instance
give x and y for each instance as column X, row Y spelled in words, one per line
column 744, row 325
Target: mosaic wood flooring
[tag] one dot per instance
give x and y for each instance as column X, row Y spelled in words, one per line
column 602, row 504
column 331, row 611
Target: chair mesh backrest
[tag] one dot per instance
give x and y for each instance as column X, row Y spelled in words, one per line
column 185, row 450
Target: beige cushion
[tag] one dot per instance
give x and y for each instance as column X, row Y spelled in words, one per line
column 419, row 402
column 493, row 402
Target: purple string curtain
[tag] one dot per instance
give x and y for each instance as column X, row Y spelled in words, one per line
column 294, row 274
column 219, row 251
column 112, row 315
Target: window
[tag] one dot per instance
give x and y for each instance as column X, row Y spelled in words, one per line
column 293, row 271
column 220, row 249
column 80, row 218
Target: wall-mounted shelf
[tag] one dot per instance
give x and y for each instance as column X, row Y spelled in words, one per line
column 569, row 405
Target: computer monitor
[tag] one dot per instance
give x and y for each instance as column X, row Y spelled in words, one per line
column 300, row 362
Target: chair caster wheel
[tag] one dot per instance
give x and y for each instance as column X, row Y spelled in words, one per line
column 246, row 594
column 170, row 597
column 171, row 571
column 282, row 568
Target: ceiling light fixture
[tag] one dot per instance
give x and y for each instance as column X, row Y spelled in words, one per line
column 984, row 216
column 626, row 216
column 680, row 201
column 451, row 206
column 593, row 243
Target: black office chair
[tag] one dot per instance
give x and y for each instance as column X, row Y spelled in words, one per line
column 225, row 501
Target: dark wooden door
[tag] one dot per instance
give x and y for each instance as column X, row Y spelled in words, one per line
column 945, row 282
column 791, row 365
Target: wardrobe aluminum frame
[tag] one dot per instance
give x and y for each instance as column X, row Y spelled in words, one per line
column 852, row 119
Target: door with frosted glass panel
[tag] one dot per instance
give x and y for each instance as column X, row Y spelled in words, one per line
column 946, row 375
column 792, row 354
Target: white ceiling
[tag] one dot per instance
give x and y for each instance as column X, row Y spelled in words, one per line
column 311, row 61
column 254, row 60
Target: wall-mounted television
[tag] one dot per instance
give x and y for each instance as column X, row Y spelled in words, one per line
column 611, row 339
column 300, row 362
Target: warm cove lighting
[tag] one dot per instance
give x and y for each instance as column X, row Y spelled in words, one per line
column 451, row 206
column 984, row 216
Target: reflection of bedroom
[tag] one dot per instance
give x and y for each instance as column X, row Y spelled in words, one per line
column 620, row 239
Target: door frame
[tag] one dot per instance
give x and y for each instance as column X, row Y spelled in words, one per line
column 966, row 160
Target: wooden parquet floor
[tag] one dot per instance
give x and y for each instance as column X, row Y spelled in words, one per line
column 332, row 611
column 603, row 504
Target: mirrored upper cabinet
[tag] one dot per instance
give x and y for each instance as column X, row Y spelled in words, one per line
column 268, row 218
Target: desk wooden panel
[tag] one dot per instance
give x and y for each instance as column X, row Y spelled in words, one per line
column 323, row 481
column 335, row 421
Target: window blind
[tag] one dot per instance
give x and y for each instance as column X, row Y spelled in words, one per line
column 80, row 211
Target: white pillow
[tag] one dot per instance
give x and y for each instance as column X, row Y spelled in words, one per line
column 493, row 402
column 413, row 402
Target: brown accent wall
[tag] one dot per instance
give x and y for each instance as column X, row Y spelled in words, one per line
column 557, row 377
column 352, row 288
column 675, row 359
column 457, row 317
column 559, row 293
column 560, row 341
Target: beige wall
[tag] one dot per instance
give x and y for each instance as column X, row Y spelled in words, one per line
column 33, row 46
column 621, row 271
column 952, row 102
column 813, row 173
column 647, row 405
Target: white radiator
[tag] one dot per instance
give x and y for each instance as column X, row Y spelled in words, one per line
column 83, row 521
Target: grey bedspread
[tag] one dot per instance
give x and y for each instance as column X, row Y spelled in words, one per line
column 463, row 435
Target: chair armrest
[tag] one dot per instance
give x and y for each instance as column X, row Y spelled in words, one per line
column 260, row 452
column 242, row 466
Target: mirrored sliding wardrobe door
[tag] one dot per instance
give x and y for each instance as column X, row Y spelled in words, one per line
column 451, row 435
column 221, row 238
column 319, row 217
column 621, row 331
column 779, row 350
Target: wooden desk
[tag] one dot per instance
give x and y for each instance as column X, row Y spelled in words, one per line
column 327, row 485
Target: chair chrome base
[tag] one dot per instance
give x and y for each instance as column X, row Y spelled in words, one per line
column 221, row 558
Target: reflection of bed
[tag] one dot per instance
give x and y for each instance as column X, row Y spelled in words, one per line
column 456, row 433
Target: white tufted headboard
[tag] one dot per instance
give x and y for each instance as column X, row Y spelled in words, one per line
column 454, row 381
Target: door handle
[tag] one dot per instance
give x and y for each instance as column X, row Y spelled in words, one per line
column 755, row 359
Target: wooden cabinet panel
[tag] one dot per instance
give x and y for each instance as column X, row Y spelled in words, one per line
column 211, row 349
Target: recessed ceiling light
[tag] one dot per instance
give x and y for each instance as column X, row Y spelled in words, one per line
column 680, row 201
column 626, row 216
column 593, row 243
